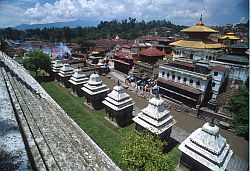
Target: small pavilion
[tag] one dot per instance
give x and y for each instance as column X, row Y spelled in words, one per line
column 77, row 80
column 205, row 149
column 65, row 73
column 55, row 69
column 151, row 55
column 155, row 119
column 95, row 91
column 119, row 106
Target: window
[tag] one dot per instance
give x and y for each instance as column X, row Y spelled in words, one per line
column 191, row 81
column 215, row 73
column 198, row 83
column 167, row 74
column 179, row 77
column 173, row 76
column 191, row 56
column 210, row 57
column 213, row 84
column 185, row 79
column 163, row 73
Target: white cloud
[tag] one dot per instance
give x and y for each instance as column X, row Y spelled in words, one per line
column 186, row 12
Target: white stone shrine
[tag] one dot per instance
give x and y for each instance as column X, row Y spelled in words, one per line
column 95, row 91
column 65, row 73
column 119, row 106
column 205, row 149
column 77, row 80
column 57, row 65
column 155, row 118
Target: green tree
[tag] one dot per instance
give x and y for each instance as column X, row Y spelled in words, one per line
column 239, row 106
column 37, row 60
column 144, row 152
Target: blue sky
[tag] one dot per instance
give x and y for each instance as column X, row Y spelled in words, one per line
column 183, row 12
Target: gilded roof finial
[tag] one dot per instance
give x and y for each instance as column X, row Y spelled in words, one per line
column 200, row 23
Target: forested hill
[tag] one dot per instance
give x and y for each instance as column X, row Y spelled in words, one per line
column 127, row 29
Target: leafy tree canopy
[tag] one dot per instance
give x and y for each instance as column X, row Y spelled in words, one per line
column 37, row 60
column 144, row 152
column 239, row 106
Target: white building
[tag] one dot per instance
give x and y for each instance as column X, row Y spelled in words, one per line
column 180, row 81
column 155, row 119
column 205, row 149
column 95, row 91
column 119, row 106
column 65, row 73
column 57, row 65
column 77, row 80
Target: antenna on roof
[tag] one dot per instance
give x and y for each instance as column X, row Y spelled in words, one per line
column 118, row 83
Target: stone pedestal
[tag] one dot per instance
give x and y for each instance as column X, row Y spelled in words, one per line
column 213, row 104
column 119, row 106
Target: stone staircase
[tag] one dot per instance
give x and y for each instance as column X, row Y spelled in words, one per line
column 53, row 140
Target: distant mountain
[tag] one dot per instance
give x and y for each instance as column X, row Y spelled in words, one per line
column 70, row 24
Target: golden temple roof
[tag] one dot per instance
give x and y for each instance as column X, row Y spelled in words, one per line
column 230, row 36
column 199, row 27
column 197, row 44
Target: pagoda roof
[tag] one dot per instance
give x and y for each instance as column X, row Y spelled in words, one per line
column 197, row 44
column 208, row 147
column 230, row 36
column 152, row 52
column 199, row 29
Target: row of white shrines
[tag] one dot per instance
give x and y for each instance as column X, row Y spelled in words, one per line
column 204, row 149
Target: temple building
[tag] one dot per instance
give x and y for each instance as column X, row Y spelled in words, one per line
column 77, row 80
column 197, row 45
column 229, row 39
column 155, row 119
column 57, row 65
column 65, row 73
column 123, row 61
column 119, row 106
column 205, row 149
column 151, row 55
column 95, row 91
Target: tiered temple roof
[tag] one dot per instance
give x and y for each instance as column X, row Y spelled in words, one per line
column 152, row 52
column 57, row 66
column 208, row 147
column 66, row 71
column 198, row 37
column 155, row 117
column 78, row 77
column 118, row 99
column 94, row 85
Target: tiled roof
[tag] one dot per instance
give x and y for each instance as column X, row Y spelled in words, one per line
column 122, row 54
column 199, row 28
column 219, row 68
column 198, row 44
column 190, row 65
column 180, row 86
column 122, row 62
column 239, row 45
column 152, row 52
column 233, row 58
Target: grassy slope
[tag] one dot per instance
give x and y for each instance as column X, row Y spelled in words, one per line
column 107, row 136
